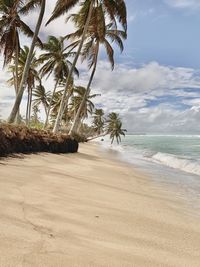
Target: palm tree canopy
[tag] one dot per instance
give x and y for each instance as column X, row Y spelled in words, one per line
column 114, row 127
column 79, row 93
column 114, row 9
column 98, row 34
column 98, row 121
column 33, row 73
column 10, row 24
column 41, row 96
column 56, row 59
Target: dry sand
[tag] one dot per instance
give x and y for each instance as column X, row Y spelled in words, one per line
column 87, row 209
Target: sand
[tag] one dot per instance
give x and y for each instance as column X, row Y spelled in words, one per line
column 87, row 209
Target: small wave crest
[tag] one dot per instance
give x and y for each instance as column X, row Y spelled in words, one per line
column 169, row 160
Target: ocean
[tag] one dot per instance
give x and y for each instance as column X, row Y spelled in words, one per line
column 172, row 161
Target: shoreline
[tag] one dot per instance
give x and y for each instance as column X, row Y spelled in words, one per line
column 88, row 209
column 168, row 179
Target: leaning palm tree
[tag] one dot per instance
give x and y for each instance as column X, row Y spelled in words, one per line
column 31, row 4
column 41, row 97
column 11, row 24
column 33, row 76
column 56, row 61
column 115, row 11
column 114, row 127
column 98, row 35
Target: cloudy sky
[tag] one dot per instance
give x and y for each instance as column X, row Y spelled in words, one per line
column 156, row 82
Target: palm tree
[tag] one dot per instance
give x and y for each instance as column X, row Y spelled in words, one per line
column 116, row 11
column 98, row 121
column 31, row 79
column 56, row 61
column 114, row 127
column 76, row 101
column 10, row 25
column 30, row 5
column 57, row 98
column 98, row 35
column 41, row 97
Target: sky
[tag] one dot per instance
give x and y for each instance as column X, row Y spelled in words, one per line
column 155, row 86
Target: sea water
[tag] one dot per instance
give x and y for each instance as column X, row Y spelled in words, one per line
column 170, row 160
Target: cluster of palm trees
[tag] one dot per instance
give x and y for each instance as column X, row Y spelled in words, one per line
column 98, row 24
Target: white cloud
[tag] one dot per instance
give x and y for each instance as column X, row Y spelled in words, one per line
column 183, row 3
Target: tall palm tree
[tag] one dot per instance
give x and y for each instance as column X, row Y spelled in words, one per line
column 55, row 60
column 114, row 127
column 98, row 35
column 33, row 76
column 77, row 98
column 30, row 5
column 41, row 97
column 98, row 121
column 10, row 25
column 116, row 11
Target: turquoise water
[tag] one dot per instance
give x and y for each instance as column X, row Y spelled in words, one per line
column 171, row 161
column 178, row 152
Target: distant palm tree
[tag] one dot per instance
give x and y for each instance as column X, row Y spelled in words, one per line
column 31, row 4
column 114, row 127
column 77, row 98
column 57, row 98
column 98, row 121
column 41, row 97
column 33, row 76
column 115, row 11
column 55, row 59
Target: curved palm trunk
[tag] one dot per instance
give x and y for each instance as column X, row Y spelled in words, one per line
column 87, row 92
column 66, row 96
column 27, row 65
column 49, row 108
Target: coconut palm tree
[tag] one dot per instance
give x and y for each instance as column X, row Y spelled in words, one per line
column 55, row 59
column 98, row 35
column 33, row 76
column 11, row 24
column 98, row 121
column 114, row 127
column 77, row 98
column 57, row 98
column 41, row 97
column 116, row 11
column 30, row 5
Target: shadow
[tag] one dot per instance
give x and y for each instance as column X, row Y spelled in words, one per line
column 87, row 156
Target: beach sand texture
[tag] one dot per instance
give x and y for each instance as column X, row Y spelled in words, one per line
column 87, row 209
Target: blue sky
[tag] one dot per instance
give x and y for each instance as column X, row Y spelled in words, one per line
column 156, row 82
column 163, row 32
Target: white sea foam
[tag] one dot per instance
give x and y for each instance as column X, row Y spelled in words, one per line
column 172, row 161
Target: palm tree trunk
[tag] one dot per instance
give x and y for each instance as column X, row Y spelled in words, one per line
column 30, row 106
column 27, row 65
column 87, row 92
column 17, row 119
column 65, row 97
column 49, row 108
column 95, row 137
column 27, row 106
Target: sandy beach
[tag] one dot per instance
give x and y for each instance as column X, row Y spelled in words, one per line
column 88, row 209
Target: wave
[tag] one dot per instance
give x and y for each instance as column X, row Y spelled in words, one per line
column 172, row 161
